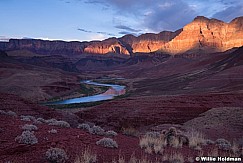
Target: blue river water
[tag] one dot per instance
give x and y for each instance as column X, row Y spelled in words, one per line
column 114, row 90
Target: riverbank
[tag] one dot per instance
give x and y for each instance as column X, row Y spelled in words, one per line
column 84, row 90
column 113, row 91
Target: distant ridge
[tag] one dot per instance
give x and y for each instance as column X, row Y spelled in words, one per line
column 202, row 35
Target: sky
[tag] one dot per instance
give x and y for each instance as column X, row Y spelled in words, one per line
column 85, row 20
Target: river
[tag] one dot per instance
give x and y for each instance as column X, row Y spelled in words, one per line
column 113, row 91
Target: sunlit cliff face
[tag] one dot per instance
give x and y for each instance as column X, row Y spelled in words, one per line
column 208, row 35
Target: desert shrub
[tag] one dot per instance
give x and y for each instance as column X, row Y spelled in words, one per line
column 27, row 118
column 27, row 137
column 107, row 142
column 41, row 120
column 87, row 156
column 56, row 155
column 153, row 134
column 9, row 113
column 52, row 131
column 1, row 130
column 209, row 142
column 60, row 123
column 52, row 120
column 84, row 126
column 130, row 131
column 171, row 136
column 97, row 130
column 223, row 144
column 29, row 127
column 111, row 133
column 2, row 112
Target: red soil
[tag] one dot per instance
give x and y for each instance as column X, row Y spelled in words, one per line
column 146, row 112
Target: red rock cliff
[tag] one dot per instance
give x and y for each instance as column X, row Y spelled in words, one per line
column 207, row 35
column 201, row 35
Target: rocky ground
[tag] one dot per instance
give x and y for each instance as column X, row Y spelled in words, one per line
column 74, row 140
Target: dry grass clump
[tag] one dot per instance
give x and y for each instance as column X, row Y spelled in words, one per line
column 176, row 158
column 133, row 159
column 196, row 138
column 151, row 144
column 107, row 142
column 30, row 127
column 235, row 148
column 155, row 141
column 87, row 156
column 213, row 152
column 190, row 159
column 27, row 137
column 56, row 155
column 130, row 131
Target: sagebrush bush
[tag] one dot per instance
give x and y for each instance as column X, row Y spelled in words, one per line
column 84, row 126
column 29, row 127
column 9, row 113
column 111, row 133
column 153, row 134
column 223, row 144
column 97, row 130
column 107, row 142
column 52, row 131
column 209, row 142
column 60, row 123
column 27, row 137
column 56, row 155
column 27, row 118
column 2, row 112
column 52, row 120
column 41, row 120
